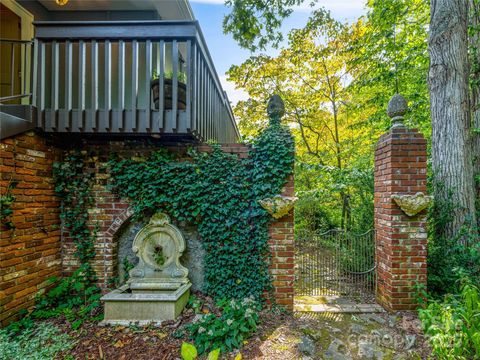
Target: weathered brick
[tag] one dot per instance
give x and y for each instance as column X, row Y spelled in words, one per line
column 400, row 157
column 32, row 212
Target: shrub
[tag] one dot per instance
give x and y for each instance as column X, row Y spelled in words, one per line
column 74, row 298
column 43, row 341
column 238, row 320
column 447, row 254
column 453, row 325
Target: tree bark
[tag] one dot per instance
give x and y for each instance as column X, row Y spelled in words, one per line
column 475, row 96
column 450, row 110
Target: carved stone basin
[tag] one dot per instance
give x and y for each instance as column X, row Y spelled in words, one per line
column 158, row 288
column 412, row 204
column 279, row 205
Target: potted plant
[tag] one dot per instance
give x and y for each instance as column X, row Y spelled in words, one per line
column 167, row 89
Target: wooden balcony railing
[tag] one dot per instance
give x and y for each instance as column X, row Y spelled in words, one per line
column 130, row 77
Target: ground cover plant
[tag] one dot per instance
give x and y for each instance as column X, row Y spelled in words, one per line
column 452, row 325
column 237, row 322
column 37, row 342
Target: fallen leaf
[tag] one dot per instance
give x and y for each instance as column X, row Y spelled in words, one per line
column 100, row 332
column 100, row 352
column 119, row 344
column 161, row 335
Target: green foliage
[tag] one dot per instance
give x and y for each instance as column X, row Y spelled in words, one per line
column 181, row 76
column 311, row 216
column 452, row 326
column 448, row 255
column 158, row 255
column 254, row 24
column 127, row 266
column 6, row 201
column 72, row 297
column 195, row 303
column 218, row 192
column 72, row 185
column 188, row 351
column 238, row 320
column 389, row 56
column 43, row 341
column 334, row 157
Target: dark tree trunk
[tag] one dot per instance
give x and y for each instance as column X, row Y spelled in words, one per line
column 450, row 110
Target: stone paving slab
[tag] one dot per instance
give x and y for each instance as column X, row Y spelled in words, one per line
column 340, row 308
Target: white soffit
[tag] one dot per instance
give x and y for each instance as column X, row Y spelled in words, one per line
column 168, row 9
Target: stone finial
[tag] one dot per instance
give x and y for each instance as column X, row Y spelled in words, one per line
column 397, row 107
column 275, row 108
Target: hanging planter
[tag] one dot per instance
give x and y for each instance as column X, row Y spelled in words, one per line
column 168, row 91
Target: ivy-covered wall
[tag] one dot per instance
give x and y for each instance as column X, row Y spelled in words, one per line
column 112, row 216
column 33, row 247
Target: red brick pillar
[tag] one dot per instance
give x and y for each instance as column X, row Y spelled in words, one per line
column 282, row 262
column 401, row 240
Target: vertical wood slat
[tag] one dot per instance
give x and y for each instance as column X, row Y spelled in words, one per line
column 68, row 75
column 41, row 83
column 174, row 84
column 55, row 82
column 134, row 87
column 12, row 66
column 194, row 87
column 24, row 50
column 199, row 94
column 207, row 102
column 68, row 86
column 161, row 81
column 35, row 72
column 94, row 62
column 148, row 78
column 210, row 108
column 108, row 85
column 81, row 82
column 189, row 87
column 204, row 101
column 92, row 111
column 119, row 125
column 54, row 86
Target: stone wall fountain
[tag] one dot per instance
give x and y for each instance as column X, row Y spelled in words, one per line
column 158, row 287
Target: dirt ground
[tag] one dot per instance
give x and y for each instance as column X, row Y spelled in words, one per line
column 281, row 336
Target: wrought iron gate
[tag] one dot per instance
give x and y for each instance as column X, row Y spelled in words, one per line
column 336, row 263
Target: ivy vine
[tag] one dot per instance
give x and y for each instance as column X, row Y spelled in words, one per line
column 219, row 193
column 73, row 186
column 6, row 202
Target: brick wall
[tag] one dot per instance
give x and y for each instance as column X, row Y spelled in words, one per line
column 110, row 214
column 401, row 241
column 29, row 254
column 282, row 244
